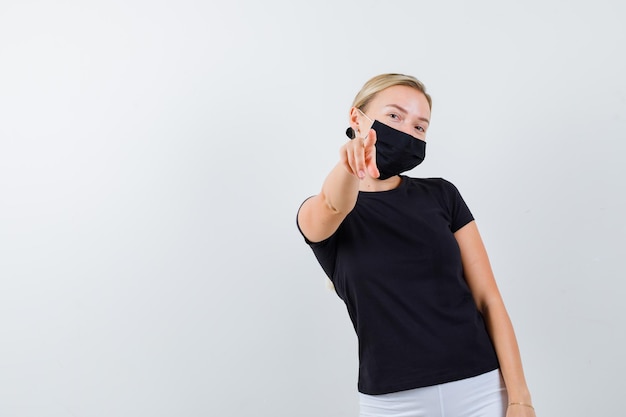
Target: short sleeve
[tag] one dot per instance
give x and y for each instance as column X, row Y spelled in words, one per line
column 460, row 214
column 325, row 251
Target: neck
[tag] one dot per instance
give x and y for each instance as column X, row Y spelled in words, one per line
column 370, row 184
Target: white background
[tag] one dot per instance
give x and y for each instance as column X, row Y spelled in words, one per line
column 153, row 155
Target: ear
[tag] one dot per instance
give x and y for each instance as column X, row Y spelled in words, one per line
column 354, row 119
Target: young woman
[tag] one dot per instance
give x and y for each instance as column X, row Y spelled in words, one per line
column 406, row 257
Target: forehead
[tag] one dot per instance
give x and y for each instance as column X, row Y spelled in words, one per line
column 414, row 101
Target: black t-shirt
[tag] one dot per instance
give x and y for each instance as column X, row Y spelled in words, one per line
column 396, row 264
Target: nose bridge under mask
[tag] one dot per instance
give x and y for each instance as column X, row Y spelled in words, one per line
column 373, row 124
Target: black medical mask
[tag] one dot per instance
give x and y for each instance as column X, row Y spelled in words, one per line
column 396, row 151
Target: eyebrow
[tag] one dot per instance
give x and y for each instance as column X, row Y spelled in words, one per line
column 406, row 112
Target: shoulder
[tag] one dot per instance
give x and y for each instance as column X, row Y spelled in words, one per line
column 434, row 183
column 442, row 189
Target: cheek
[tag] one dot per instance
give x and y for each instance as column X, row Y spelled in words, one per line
column 364, row 127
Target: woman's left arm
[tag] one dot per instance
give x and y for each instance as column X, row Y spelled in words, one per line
column 482, row 283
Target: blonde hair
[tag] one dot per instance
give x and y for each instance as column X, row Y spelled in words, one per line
column 380, row 82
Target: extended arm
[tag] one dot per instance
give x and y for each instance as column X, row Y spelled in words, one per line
column 321, row 215
column 485, row 291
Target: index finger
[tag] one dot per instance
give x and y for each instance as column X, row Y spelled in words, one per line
column 369, row 149
column 370, row 139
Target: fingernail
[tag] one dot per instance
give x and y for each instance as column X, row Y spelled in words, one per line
column 361, row 174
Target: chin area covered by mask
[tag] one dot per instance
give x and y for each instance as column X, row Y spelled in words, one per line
column 396, row 151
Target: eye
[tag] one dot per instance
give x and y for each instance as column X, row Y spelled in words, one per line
column 420, row 129
column 394, row 116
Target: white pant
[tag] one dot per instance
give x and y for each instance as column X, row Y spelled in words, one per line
column 481, row 396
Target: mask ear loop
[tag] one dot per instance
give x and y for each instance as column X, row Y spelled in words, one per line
column 361, row 111
column 350, row 131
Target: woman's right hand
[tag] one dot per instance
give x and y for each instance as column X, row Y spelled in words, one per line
column 358, row 156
